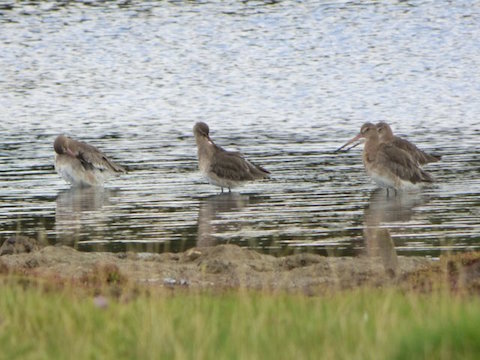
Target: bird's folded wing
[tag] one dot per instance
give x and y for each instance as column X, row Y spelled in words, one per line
column 400, row 163
column 231, row 165
column 418, row 155
column 91, row 157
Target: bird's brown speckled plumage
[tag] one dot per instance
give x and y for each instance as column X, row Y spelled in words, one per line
column 82, row 164
column 223, row 168
column 389, row 166
column 386, row 135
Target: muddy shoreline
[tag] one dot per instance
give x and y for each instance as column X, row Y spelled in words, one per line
column 233, row 267
column 219, row 267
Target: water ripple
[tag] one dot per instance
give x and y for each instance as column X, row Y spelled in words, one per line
column 286, row 83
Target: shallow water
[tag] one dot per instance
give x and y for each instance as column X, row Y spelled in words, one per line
column 284, row 82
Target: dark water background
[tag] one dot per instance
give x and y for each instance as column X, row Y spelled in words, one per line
column 284, row 82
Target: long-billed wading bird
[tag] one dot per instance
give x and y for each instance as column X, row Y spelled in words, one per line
column 226, row 169
column 389, row 166
column 81, row 164
column 386, row 135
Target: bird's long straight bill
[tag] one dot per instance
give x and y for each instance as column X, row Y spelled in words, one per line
column 356, row 138
column 354, row 145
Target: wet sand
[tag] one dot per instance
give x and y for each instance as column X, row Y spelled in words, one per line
column 219, row 267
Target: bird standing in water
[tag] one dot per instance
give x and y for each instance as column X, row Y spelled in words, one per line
column 226, row 169
column 81, row 164
column 389, row 166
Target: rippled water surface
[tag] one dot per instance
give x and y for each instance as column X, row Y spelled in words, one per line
column 284, row 82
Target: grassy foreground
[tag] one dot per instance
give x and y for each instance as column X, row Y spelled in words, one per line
column 36, row 323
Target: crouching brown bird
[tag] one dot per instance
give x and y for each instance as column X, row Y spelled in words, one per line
column 81, row 164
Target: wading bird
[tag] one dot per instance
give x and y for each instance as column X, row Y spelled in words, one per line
column 389, row 166
column 226, row 169
column 81, row 164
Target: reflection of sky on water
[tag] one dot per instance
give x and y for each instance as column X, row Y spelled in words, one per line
column 285, row 83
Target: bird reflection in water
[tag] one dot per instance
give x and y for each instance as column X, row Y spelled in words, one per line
column 211, row 208
column 382, row 209
column 79, row 214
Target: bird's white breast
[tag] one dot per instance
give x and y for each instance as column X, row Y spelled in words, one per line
column 72, row 171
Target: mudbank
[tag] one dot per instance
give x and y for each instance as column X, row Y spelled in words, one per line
column 219, row 267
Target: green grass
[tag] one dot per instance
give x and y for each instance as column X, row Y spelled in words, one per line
column 363, row 324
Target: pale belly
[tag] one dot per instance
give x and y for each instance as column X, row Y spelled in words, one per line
column 217, row 181
column 382, row 181
column 390, row 181
column 72, row 171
